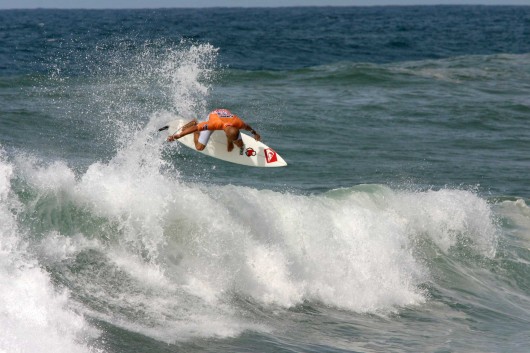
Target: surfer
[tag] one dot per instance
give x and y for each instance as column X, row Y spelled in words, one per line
column 219, row 119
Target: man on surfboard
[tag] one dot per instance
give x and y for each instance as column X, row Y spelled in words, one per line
column 219, row 119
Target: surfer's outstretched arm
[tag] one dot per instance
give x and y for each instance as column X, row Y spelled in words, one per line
column 257, row 137
column 184, row 132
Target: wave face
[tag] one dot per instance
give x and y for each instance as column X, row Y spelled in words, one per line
column 145, row 251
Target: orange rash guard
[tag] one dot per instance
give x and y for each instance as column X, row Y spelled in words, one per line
column 221, row 118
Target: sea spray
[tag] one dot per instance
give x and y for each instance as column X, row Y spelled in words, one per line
column 122, row 84
column 187, row 76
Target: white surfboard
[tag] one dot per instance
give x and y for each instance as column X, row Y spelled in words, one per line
column 254, row 153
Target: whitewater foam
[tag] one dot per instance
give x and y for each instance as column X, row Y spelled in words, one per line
column 517, row 215
column 173, row 260
column 180, row 253
column 35, row 316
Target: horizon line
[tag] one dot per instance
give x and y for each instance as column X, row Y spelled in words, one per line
column 257, row 7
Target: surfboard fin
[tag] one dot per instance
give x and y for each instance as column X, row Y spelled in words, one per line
column 164, row 128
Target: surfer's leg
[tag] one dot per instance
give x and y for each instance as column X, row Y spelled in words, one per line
column 239, row 141
column 233, row 136
column 230, row 144
column 201, row 139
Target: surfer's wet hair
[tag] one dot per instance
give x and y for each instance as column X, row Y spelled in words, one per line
column 232, row 133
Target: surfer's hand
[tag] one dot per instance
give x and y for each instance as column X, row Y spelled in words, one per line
column 257, row 137
column 172, row 138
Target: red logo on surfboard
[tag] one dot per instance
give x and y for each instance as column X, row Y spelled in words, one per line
column 250, row 152
column 270, row 155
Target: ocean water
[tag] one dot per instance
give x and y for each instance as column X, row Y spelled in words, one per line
column 402, row 223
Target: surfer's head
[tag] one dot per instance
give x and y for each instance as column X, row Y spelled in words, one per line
column 234, row 137
column 232, row 133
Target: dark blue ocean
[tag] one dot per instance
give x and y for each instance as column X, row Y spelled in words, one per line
column 401, row 224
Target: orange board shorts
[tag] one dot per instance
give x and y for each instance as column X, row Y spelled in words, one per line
column 219, row 119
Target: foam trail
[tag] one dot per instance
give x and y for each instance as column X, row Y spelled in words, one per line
column 34, row 316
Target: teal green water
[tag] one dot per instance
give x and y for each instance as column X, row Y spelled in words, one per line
column 401, row 223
